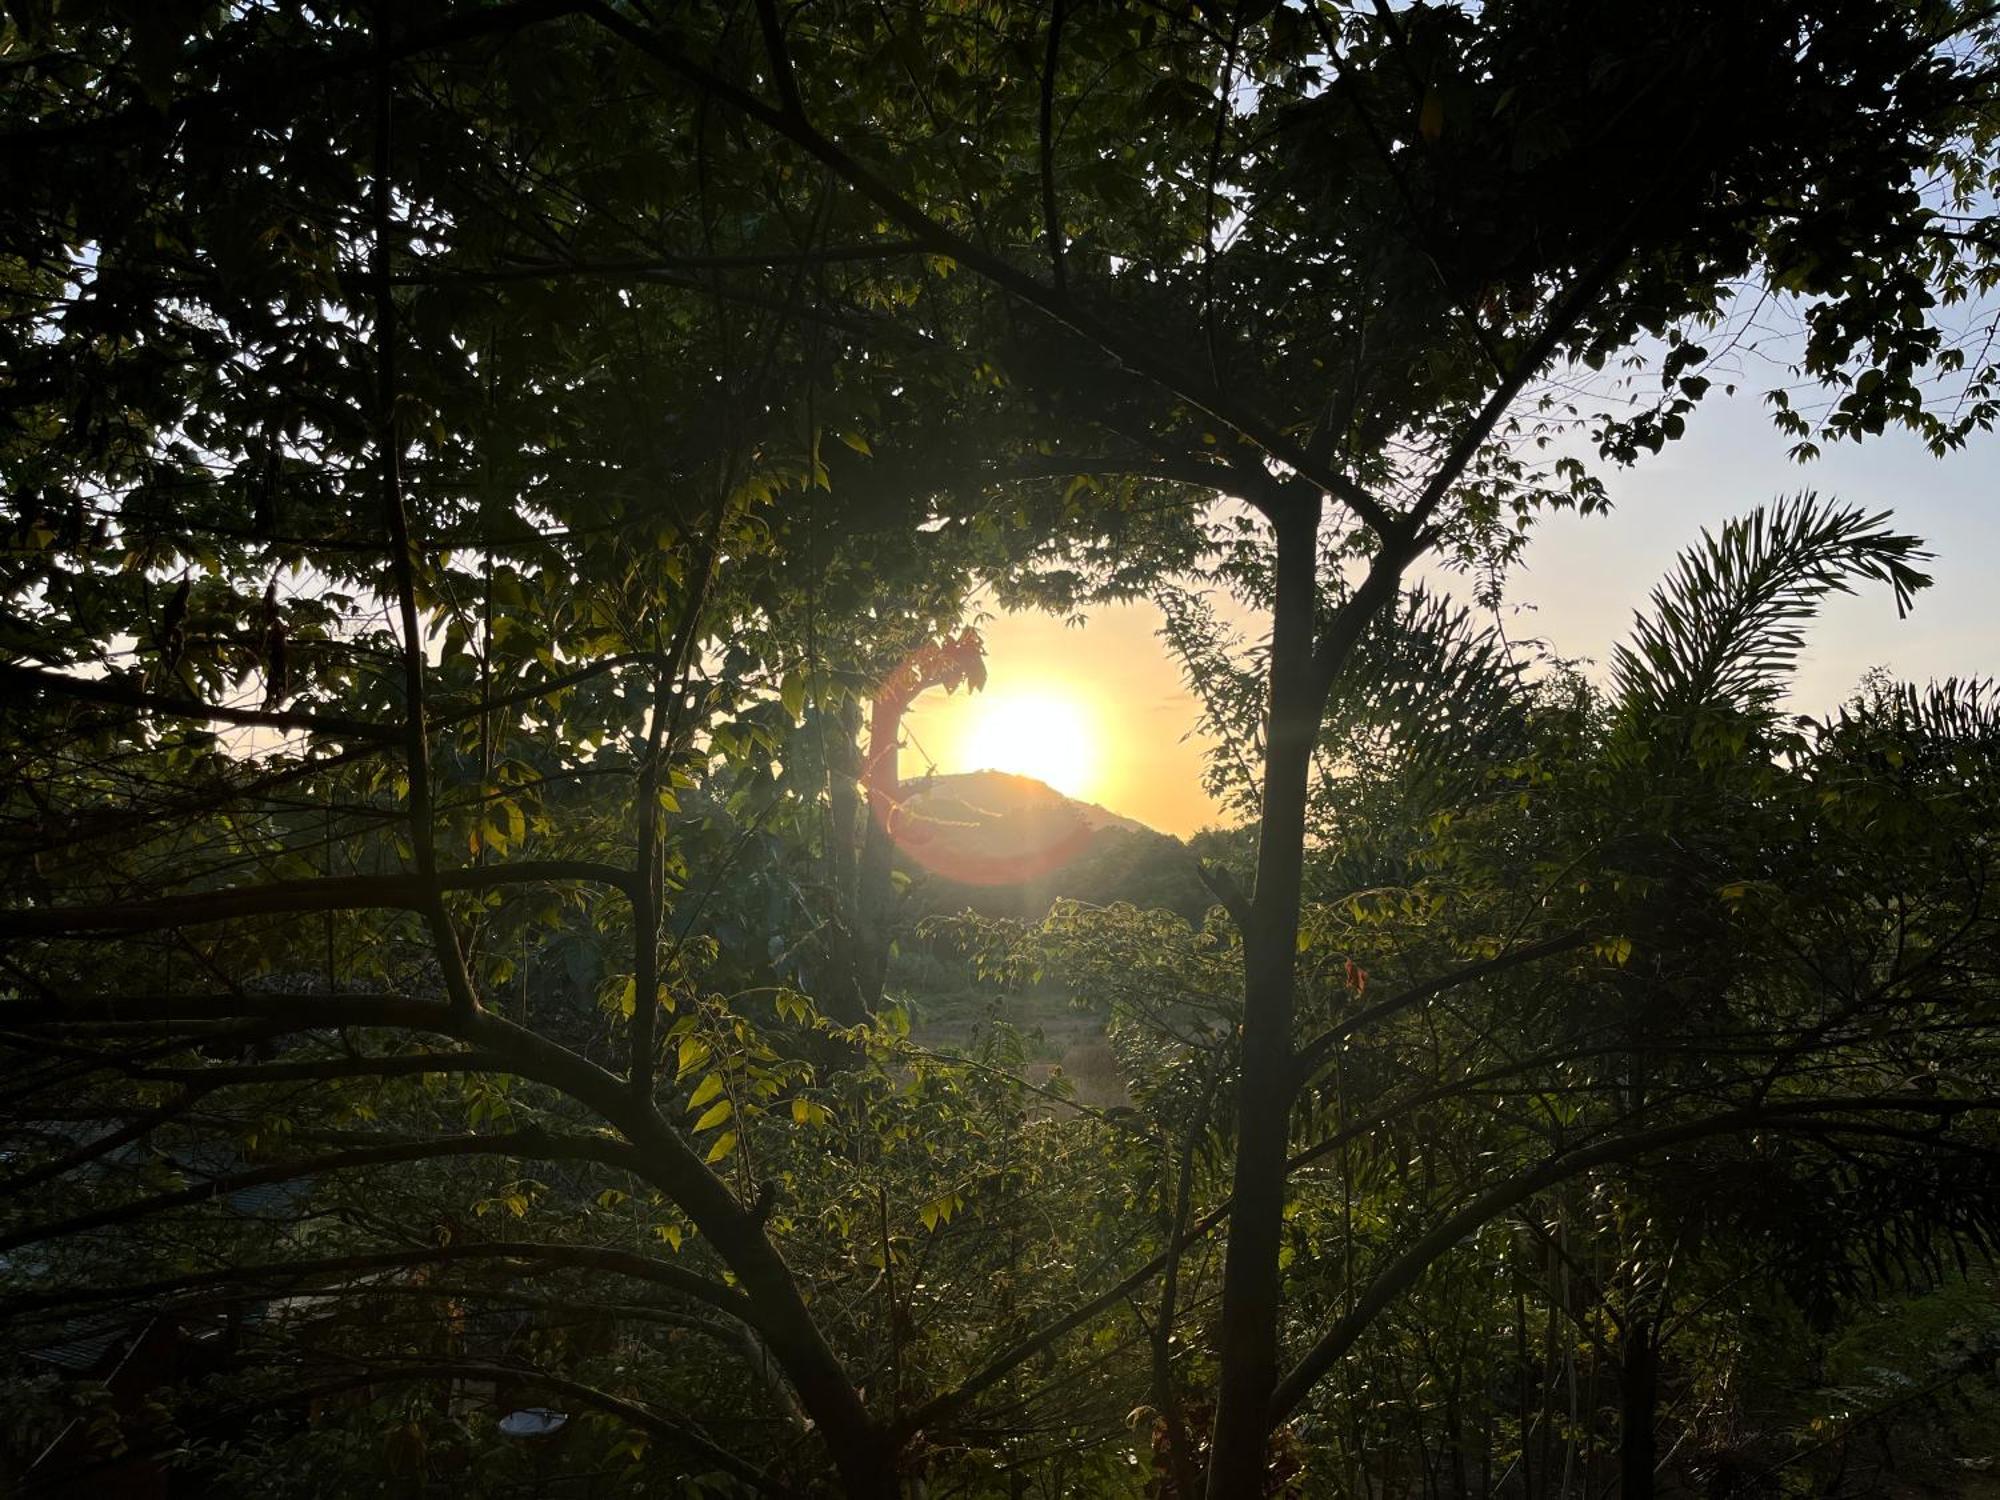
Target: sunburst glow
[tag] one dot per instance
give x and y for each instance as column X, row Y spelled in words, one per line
column 1051, row 736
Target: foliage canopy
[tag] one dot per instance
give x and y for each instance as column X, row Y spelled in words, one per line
column 468, row 464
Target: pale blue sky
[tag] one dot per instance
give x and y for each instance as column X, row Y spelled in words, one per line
column 1585, row 576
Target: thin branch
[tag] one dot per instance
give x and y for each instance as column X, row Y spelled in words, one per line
column 1315, row 1052
column 395, row 1065
column 403, row 557
column 641, row 265
column 1568, row 311
column 534, row 691
column 1222, row 885
column 783, row 77
column 1127, row 350
column 135, row 1128
column 534, row 1144
column 269, row 84
column 670, row 696
column 15, row 678
column 331, row 893
column 942, row 1406
column 625, row 1263
column 674, row 1429
column 1404, row 1271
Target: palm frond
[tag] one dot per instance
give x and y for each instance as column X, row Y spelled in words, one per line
column 1428, row 690
column 1728, row 624
column 1950, row 728
column 1958, row 711
column 1226, row 676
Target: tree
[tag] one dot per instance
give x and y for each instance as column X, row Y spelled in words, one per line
column 1599, row 1005
column 525, row 365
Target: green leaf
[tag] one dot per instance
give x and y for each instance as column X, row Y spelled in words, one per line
column 1616, row 950
column 706, row 1090
column 1430, row 118
column 939, row 1210
column 693, row 1052
column 714, row 1115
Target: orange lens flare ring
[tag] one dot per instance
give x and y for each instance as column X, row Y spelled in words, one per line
column 1043, row 733
column 1040, row 850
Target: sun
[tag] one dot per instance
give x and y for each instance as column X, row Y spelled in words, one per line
column 1048, row 735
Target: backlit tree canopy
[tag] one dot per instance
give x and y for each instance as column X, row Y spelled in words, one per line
column 469, row 466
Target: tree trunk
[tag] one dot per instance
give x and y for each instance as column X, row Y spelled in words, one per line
column 1639, row 1412
column 1251, row 1279
column 870, row 1474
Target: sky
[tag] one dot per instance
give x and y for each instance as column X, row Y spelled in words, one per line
column 1100, row 711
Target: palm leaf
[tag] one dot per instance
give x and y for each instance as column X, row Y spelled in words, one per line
column 1728, row 624
column 1429, row 692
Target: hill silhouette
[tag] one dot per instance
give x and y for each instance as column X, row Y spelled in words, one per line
column 1007, row 846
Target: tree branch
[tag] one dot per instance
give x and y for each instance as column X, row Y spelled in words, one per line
column 748, row 260
column 627, row 1263
column 783, row 78
column 535, row 1144
column 133, row 1129
column 673, row 1429
column 403, row 558
column 1314, row 1052
column 332, row 893
column 395, row 1065
column 468, row 25
column 15, row 678
column 1404, row 1271
column 1199, row 393
column 940, row 1407
column 1222, row 885
column 1052, row 226
column 662, row 735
